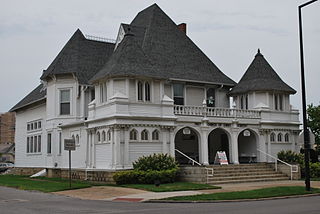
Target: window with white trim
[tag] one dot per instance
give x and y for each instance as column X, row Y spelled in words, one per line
column 286, row 138
column 103, row 136
column 65, row 102
column 272, row 137
column 103, row 92
column 144, row 135
column 178, row 94
column 279, row 137
column 49, row 138
column 155, row 135
column 133, row 134
column 144, row 91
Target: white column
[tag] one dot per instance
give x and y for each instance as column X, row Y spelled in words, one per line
column 163, row 135
column 262, row 146
column 88, row 148
column 204, row 146
column 112, row 147
column 269, row 149
column 234, row 146
column 117, row 147
column 172, row 143
column 126, row 147
column 93, row 150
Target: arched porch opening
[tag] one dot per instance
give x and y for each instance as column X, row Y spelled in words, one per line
column 247, row 146
column 187, row 141
column 218, row 140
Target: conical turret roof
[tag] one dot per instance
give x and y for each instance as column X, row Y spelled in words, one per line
column 260, row 76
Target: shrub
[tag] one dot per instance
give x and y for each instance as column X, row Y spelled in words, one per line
column 148, row 169
column 145, row 177
column 315, row 170
column 290, row 157
column 155, row 162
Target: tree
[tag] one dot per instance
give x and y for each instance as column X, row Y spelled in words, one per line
column 314, row 122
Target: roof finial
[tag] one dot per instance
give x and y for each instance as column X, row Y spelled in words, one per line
column 259, row 53
column 258, row 50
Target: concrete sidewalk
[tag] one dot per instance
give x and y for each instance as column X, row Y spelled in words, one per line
column 134, row 195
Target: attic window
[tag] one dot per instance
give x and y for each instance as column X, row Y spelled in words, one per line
column 178, row 94
column 144, row 91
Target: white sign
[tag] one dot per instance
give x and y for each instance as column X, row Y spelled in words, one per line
column 221, row 158
column 246, row 133
column 69, row 144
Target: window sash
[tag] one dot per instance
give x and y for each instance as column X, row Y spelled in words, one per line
column 49, row 143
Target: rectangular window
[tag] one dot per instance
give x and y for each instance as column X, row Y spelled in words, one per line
column 39, row 143
column 178, row 94
column 35, row 144
column 102, row 93
column 280, row 103
column 39, row 125
column 65, row 102
column 49, row 143
column 60, row 142
column 31, row 145
column 28, row 146
column 276, row 102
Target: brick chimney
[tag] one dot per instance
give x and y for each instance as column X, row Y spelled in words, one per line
column 183, row 27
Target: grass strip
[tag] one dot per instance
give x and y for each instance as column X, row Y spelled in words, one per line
column 251, row 194
column 170, row 187
column 40, row 184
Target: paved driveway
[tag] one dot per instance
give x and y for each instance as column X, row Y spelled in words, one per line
column 13, row 201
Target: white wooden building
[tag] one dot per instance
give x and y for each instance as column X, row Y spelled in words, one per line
column 151, row 91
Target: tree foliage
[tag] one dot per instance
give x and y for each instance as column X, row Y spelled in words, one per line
column 314, row 122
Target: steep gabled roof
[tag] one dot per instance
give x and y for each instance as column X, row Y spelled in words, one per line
column 80, row 56
column 37, row 95
column 260, row 76
column 169, row 50
column 128, row 60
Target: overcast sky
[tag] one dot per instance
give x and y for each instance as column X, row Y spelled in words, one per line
column 229, row 32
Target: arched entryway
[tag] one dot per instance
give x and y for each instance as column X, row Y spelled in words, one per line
column 218, row 140
column 187, row 141
column 247, row 146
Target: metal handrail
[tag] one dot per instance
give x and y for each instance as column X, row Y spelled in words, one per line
column 194, row 161
column 276, row 163
column 186, row 156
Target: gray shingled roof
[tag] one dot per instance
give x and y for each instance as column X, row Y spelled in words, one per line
column 37, row 95
column 128, row 60
column 167, row 49
column 80, row 56
column 260, row 76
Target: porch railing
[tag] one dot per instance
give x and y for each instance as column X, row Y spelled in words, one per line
column 209, row 171
column 215, row 112
column 293, row 168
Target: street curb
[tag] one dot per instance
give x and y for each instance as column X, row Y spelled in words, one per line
column 228, row 201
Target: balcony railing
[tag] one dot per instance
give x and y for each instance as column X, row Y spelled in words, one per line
column 215, row 112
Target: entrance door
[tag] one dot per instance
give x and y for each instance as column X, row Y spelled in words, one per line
column 217, row 141
column 186, row 141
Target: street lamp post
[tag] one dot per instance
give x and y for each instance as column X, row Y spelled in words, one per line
column 304, row 104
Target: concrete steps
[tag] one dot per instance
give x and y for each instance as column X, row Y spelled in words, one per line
column 232, row 174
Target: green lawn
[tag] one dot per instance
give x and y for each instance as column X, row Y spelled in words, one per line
column 40, row 184
column 45, row 184
column 252, row 194
column 170, row 187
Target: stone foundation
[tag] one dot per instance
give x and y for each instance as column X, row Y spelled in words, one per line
column 25, row 171
column 192, row 174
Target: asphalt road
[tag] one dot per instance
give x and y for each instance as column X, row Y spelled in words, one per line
column 25, row 202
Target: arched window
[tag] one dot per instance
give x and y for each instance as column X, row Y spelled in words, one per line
column 155, row 135
column 286, row 137
column 147, row 91
column 279, row 137
column 272, row 137
column 140, row 91
column 144, row 135
column 98, row 136
column 77, row 140
column 109, row 135
column 103, row 136
column 133, row 134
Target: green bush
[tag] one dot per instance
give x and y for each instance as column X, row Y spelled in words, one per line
column 148, row 169
column 290, row 157
column 315, row 170
column 145, row 177
column 155, row 162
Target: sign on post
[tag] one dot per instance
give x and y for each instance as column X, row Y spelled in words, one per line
column 70, row 145
column 221, row 158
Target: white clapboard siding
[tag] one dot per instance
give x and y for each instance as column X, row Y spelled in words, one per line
column 103, row 156
column 137, row 150
column 194, row 96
